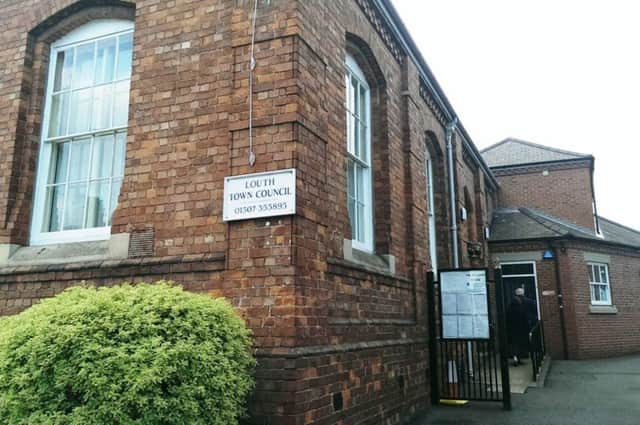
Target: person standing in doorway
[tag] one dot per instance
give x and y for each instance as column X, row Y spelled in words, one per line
column 521, row 317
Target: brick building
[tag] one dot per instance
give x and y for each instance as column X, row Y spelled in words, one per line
column 582, row 269
column 121, row 120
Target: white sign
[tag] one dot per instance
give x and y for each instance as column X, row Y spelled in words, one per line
column 259, row 195
column 465, row 313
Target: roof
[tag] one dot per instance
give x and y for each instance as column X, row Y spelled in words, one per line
column 527, row 223
column 516, row 152
column 626, row 235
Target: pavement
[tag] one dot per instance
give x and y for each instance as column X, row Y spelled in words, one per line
column 588, row 392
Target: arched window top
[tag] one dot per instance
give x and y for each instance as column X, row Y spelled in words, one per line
column 92, row 30
column 355, row 69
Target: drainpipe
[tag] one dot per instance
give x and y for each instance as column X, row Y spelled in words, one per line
column 451, row 128
column 563, row 328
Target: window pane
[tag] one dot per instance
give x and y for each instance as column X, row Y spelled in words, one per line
column 361, row 221
column 55, row 201
column 121, row 108
column 80, row 111
column 360, row 183
column 356, row 139
column 120, row 154
column 354, row 96
column 429, row 189
column 522, row 268
column 74, row 206
column 350, row 179
column 349, row 100
column 590, row 268
column 59, row 114
column 98, row 204
column 116, row 185
column 594, row 293
column 352, row 217
column 79, row 164
column 64, row 68
column 364, row 145
column 102, row 158
column 363, row 104
column 603, row 275
column 61, row 162
column 124, row 56
column 102, row 107
column 105, row 60
column 350, row 133
column 83, row 69
column 604, row 293
column 596, row 274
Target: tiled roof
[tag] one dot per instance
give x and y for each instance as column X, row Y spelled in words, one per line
column 515, row 152
column 618, row 232
column 527, row 223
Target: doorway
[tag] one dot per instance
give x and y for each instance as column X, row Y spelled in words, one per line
column 520, row 275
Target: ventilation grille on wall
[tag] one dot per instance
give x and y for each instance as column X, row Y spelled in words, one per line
column 141, row 243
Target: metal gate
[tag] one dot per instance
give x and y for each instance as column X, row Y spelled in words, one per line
column 468, row 368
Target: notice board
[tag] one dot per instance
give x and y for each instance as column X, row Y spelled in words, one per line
column 464, row 309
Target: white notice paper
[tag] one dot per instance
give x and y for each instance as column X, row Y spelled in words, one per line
column 465, row 304
column 449, row 304
column 481, row 326
column 465, row 327
column 465, row 310
column 480, row 303
column 450, row 326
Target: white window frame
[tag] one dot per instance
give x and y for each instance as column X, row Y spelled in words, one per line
column 431, row 213
column 92, row 31
column 590, row 272
column 363, row 162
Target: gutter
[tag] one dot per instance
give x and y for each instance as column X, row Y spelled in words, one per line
column 565, row 237
column 542, row 163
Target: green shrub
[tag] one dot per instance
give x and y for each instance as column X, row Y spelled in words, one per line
column 143, row 354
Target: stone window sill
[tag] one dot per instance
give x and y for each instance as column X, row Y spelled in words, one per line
column 384, row 264
column 114, row 248
column 603, row 309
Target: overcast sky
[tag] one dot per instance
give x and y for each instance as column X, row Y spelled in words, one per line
column 563, row 73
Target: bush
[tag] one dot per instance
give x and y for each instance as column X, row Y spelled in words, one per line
column 143, row 354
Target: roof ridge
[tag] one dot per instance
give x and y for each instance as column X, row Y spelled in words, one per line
column 538, row 146
column 572, row 227
column 530, row 213
column 495, row 145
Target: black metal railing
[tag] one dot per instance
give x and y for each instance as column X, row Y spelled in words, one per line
column 468, row 369
column 536, row 348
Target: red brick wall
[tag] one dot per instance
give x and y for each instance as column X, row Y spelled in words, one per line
column 606, row 335
column 322, row 325
column 565, row 192
column 588, row 335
